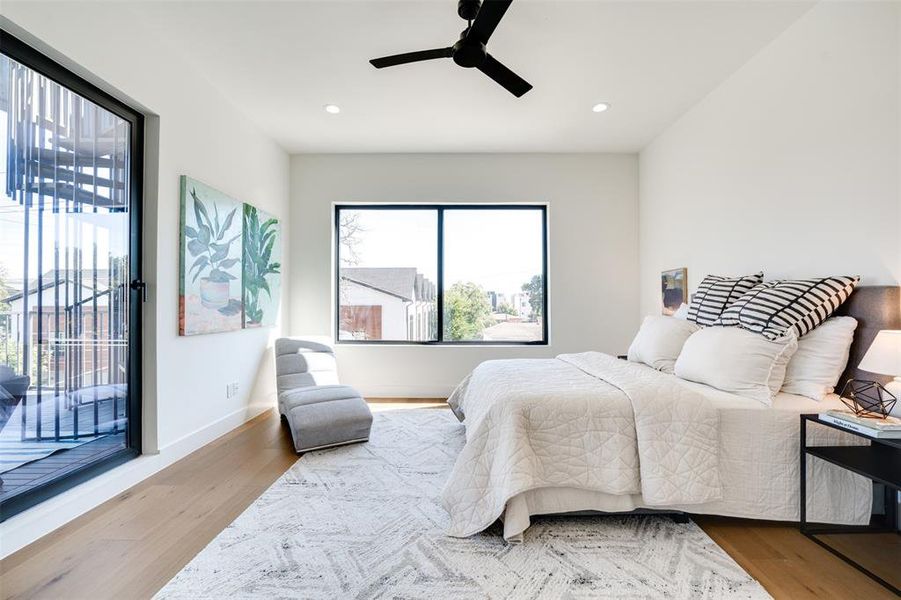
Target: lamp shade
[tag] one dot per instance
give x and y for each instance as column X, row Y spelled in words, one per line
column 884, row 355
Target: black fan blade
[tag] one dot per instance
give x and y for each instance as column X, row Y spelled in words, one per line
column 409, row 57
column 489, row 15
column 514, row 84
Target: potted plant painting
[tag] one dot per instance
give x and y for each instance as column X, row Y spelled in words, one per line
column 260, row 239
column 210, row 250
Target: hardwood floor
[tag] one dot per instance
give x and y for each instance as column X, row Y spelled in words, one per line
column 130, row 546
column 788, row 564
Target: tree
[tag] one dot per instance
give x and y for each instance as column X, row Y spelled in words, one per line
column 535, row 288
column 349, row 230
column 467, row 312
column 6, row 289
column 506, row 309
column 8, row 351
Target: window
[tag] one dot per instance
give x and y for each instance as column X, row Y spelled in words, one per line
column 454, row 273
column 70, row 157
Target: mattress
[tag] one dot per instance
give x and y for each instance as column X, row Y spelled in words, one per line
column 758, row 453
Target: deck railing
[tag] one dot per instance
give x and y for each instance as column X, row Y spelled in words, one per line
column 66, row 328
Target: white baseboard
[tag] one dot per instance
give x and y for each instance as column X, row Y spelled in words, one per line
column 36, row 522
column 405, row 391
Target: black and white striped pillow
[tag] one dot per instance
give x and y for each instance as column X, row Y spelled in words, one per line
column 775, row 308
column 716, row 293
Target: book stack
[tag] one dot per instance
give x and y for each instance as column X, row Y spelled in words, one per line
column 887, row 428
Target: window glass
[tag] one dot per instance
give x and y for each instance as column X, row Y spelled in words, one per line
column 492, row 260
column 65, row 248
column 388, row 268
column 493, row 275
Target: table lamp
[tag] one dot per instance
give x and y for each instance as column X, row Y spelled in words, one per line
column 884, row 358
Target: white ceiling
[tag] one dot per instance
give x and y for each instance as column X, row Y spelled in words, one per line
column 280, row 62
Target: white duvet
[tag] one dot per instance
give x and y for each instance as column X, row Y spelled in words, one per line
column 617, row 435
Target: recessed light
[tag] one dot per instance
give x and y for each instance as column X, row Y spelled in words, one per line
column 600, row 107
column 332, row 109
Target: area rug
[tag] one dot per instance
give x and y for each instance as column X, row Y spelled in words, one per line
column 365, row 521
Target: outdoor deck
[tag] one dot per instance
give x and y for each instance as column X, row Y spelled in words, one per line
column 34, row 474
column 31, row 462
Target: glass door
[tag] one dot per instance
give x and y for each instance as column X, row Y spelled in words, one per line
column 69, row 314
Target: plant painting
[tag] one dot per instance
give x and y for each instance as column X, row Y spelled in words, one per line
column 262, row 267
column 210, row 281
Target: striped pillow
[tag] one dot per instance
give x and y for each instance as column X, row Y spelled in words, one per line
column 775, row 308
column 716, row 293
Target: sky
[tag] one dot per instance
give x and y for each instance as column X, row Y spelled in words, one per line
column 112, row 230
column 497, row 249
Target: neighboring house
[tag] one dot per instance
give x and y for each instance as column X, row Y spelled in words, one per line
column 518, row 300
column 389, row 303
column 522, row 306
column 71, row 322
column 493, row 300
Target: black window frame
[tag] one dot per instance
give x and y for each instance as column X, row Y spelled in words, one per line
column 440, row 209
column 24, row 54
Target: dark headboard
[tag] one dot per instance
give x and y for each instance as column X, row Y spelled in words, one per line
column 875, row 307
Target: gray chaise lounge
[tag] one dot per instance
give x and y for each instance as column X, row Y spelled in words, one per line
column 319, row 412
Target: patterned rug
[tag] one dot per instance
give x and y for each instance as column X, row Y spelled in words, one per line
column 364, row 521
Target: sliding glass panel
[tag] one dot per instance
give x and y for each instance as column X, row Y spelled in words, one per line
column 494, row 275
column 64, row 273
column 387, row 269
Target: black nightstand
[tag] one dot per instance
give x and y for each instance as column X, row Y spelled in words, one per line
column 880, row 462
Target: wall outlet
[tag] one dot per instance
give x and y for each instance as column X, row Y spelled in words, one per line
column 231, row 389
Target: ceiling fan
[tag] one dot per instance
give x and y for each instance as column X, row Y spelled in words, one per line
column 482, row 17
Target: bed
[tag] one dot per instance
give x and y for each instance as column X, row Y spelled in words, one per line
column 590, row 432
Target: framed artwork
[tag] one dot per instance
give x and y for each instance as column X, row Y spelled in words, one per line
column 674, row 289
column 262, row 267
column 209, row 287
column 229, row 262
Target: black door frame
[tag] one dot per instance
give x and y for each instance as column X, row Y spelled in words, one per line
column 24, row 54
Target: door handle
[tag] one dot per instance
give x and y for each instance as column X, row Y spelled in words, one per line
column 140, row 285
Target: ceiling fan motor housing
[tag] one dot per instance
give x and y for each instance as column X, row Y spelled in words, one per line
column 468, row 9
column 469, row 52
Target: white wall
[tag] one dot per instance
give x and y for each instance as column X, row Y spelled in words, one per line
column 593, row 251
column 791, row 165
column 192, row 130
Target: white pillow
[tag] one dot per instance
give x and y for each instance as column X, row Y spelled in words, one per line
column 659, row 341
column 736, row 360
column 821, row 358
column 681, row 312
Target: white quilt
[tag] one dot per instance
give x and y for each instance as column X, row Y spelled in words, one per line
column 590, row 432
column 586, row 421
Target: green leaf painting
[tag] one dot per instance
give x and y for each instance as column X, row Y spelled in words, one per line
column 262, row 269
column 210, row 260
column 230, row 253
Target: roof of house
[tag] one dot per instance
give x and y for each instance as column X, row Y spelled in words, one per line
column 49, row 281
column 404, row 282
